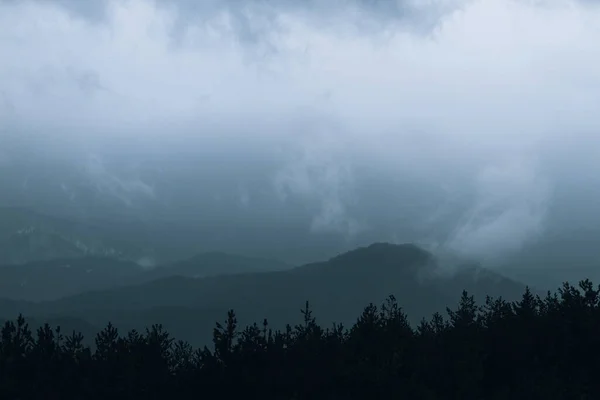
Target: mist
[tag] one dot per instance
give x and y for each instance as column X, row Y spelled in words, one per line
column 470, row 126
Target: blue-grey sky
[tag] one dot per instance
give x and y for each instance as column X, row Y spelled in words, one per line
column 498, row 99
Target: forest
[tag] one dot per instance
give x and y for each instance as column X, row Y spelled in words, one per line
column 533, row 348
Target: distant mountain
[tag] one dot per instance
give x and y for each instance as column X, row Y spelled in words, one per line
column 215, row 263
column 28, row 236
column 52, row 279
column 338, row 289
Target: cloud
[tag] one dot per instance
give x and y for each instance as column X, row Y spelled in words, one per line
column 467, row 72
column 125, row 190
column 244, row 197
column 457, row 95
column 320, row 172
column 4, row 159
column 509, row 211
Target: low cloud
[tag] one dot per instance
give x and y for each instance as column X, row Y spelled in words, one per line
column 123, row 189
column 482, row 101
column 320, row 173
column 510, row 208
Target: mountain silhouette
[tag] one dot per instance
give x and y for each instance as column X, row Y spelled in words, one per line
column 337, row 289
column 53, row 279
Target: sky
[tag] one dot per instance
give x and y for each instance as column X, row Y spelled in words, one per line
column 493, row 104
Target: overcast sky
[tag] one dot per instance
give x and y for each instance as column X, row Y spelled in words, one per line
column 501, row 97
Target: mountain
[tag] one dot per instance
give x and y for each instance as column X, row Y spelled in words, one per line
column 29, row 236
column 53, row 279
column 47, row 280
column 338, row 289
column 215, row 263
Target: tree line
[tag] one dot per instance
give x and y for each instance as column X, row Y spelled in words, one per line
column 536, row 348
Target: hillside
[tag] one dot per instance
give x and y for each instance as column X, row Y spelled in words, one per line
column 214, row 263
column 338, row 289
column 53, row 279
column 29, row 236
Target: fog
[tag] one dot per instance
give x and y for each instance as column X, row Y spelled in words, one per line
column 471, row 126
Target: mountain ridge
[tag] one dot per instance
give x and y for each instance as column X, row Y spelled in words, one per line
column 57, row 278
column 337, row 288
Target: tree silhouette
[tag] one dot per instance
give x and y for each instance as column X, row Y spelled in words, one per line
column 537, row 347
